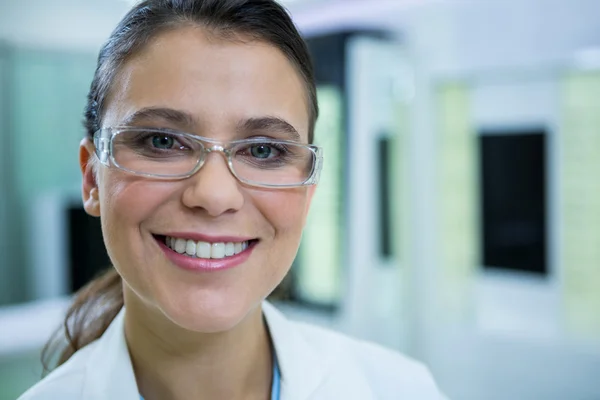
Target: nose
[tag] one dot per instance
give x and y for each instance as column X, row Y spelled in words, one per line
column 214, row 188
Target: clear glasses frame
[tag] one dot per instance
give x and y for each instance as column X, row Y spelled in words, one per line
column 103, row 142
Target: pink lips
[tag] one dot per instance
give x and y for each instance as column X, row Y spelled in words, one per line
column 203, row 264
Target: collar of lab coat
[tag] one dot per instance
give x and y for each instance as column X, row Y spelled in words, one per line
column 109, row 372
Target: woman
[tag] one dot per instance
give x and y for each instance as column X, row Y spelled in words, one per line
column 198, row 162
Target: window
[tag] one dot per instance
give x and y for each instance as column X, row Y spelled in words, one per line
column 513, row 200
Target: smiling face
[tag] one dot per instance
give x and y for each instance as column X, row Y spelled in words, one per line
column 189, row 81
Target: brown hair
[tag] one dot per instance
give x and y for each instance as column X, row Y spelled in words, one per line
column 96, row 305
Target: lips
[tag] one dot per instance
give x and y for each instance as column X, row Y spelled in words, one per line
column 219, row 250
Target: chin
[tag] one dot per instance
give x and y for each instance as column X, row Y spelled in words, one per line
column 208, row 315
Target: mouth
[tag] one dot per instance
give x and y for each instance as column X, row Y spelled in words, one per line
column 196, row 249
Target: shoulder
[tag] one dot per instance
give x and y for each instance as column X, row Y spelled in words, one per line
column 100, row 370
column 387, row 372
column 65, row 383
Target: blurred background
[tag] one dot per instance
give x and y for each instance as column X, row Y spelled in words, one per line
column 458, row 218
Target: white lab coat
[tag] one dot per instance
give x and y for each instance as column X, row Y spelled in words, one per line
column 315, row 364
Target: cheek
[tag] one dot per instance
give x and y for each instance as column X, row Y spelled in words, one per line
column 285, row 211
column 125, row 204
column 130, row 197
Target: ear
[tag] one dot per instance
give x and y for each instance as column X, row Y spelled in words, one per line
column 89, row 186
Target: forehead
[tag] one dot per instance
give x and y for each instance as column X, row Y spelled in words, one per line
column 219, row 82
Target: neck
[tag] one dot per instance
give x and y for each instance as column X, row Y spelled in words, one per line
column 173, row 363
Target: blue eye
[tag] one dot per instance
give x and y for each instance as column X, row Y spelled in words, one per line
column 262, row 151
column 163, row 142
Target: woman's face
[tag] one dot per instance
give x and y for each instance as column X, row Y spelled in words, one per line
column 219, row 85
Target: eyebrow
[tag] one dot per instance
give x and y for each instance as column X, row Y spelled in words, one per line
column 180, row 118
column 262, row 125
column 270, row 124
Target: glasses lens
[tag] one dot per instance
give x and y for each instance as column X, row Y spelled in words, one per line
column 273, row 163
column 154, row 152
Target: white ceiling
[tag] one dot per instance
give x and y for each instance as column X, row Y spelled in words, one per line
column 449, row 33
column 85, row 24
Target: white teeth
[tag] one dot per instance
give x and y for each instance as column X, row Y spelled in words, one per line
column 229, row 249
column 190, row 248
column 217, row 250
column 180, row 245
column 205, row 249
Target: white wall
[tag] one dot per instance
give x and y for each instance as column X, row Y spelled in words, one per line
column 510, row 53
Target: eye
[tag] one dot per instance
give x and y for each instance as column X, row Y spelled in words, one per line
column 163, row 142
column 154, row 144
column 262, row 151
